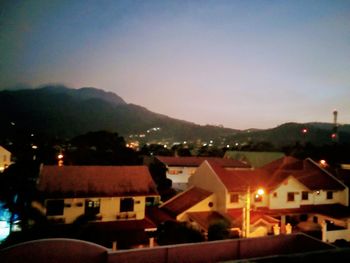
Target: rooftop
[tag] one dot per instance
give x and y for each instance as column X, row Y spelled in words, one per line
column 98, row 181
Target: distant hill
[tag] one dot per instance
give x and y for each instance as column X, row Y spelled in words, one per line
column 289, row 133
column 58, row 111
column 63, row 112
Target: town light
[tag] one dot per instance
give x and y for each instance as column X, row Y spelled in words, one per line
column 60, row 156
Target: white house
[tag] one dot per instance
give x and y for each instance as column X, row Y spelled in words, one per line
column 104, row 193
column 180, row 168
column 293, row 189
column 5, row 158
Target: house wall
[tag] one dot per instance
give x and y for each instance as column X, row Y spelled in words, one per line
column 289, row 185
column 205, row 178
column 109, row 209
column 242, row 200
column 180, row 175
column 202, row 206
column 340, row 197
column 5, row 159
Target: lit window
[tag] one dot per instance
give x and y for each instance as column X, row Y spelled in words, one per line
column 329, row 195
column 290, row 197
column 304, row 195
column 234, row 198
column 92, row 207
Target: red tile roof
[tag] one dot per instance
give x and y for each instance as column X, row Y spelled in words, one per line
column 185, row 200
column 193, row 161
column 236, row 215
column 270, row 176
column 238, row 180
column 305, row 171
column 98, row 181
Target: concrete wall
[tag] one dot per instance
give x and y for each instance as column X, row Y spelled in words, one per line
column 206, row 178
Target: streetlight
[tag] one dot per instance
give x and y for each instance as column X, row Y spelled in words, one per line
column 246, row 211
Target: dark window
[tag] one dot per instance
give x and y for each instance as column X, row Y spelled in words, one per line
column 329, row 195
column 150, row 201
column 92, row 207
column 275, row 194
column 315, row 219
column 304, row 195
column 54, row 207
column 126, row 205
column 290, row 197
column 234, row 198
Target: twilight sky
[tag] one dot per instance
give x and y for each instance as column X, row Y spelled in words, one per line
column 242, row 64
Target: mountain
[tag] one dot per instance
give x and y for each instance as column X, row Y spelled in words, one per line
column 58, row 111
column 63, row 112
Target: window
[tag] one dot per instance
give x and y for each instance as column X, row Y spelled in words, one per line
column 275, row 194
column 329, row 195
column 150, row 201
column 126, row 205
column 234, row 198
column 304, row 195
column 92, row 207
column 54, row 207
column 290, row 197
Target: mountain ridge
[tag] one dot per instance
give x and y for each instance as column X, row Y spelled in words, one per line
column 57, row 110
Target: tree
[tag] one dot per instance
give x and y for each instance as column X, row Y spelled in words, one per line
column 219, row 229
column 172, row 232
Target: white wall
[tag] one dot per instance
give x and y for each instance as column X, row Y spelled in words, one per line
column 206, row 178
column 202, row 206
column 181, row 176
column 289, row 185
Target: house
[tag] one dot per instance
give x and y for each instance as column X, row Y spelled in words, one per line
column 179, row 169
column 104, row 193
column 254, row 159
column 294, row 189
column 5, row 158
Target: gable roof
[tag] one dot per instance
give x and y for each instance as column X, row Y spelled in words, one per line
column 195, row 161
column 185, row 200
column 239, row 180
column 305, row 171
column 237, row 216
column 3, row 149
column 95, row 181
column 255, row 159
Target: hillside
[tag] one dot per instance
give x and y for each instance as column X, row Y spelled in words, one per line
column 63, row 112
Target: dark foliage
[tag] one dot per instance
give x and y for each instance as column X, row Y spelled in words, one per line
column 171, row 232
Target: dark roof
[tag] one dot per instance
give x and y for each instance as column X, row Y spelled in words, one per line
column 185, row 200
column 157, row 215
column 98, row 181
column 305, row 171
column 192, row 161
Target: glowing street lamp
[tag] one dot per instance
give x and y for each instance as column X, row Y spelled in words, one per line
column 60, row 159
column 246, row 211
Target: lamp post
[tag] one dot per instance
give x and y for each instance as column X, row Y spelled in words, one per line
column 246, row 211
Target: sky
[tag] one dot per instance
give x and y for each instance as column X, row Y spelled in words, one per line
column 241, row 64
